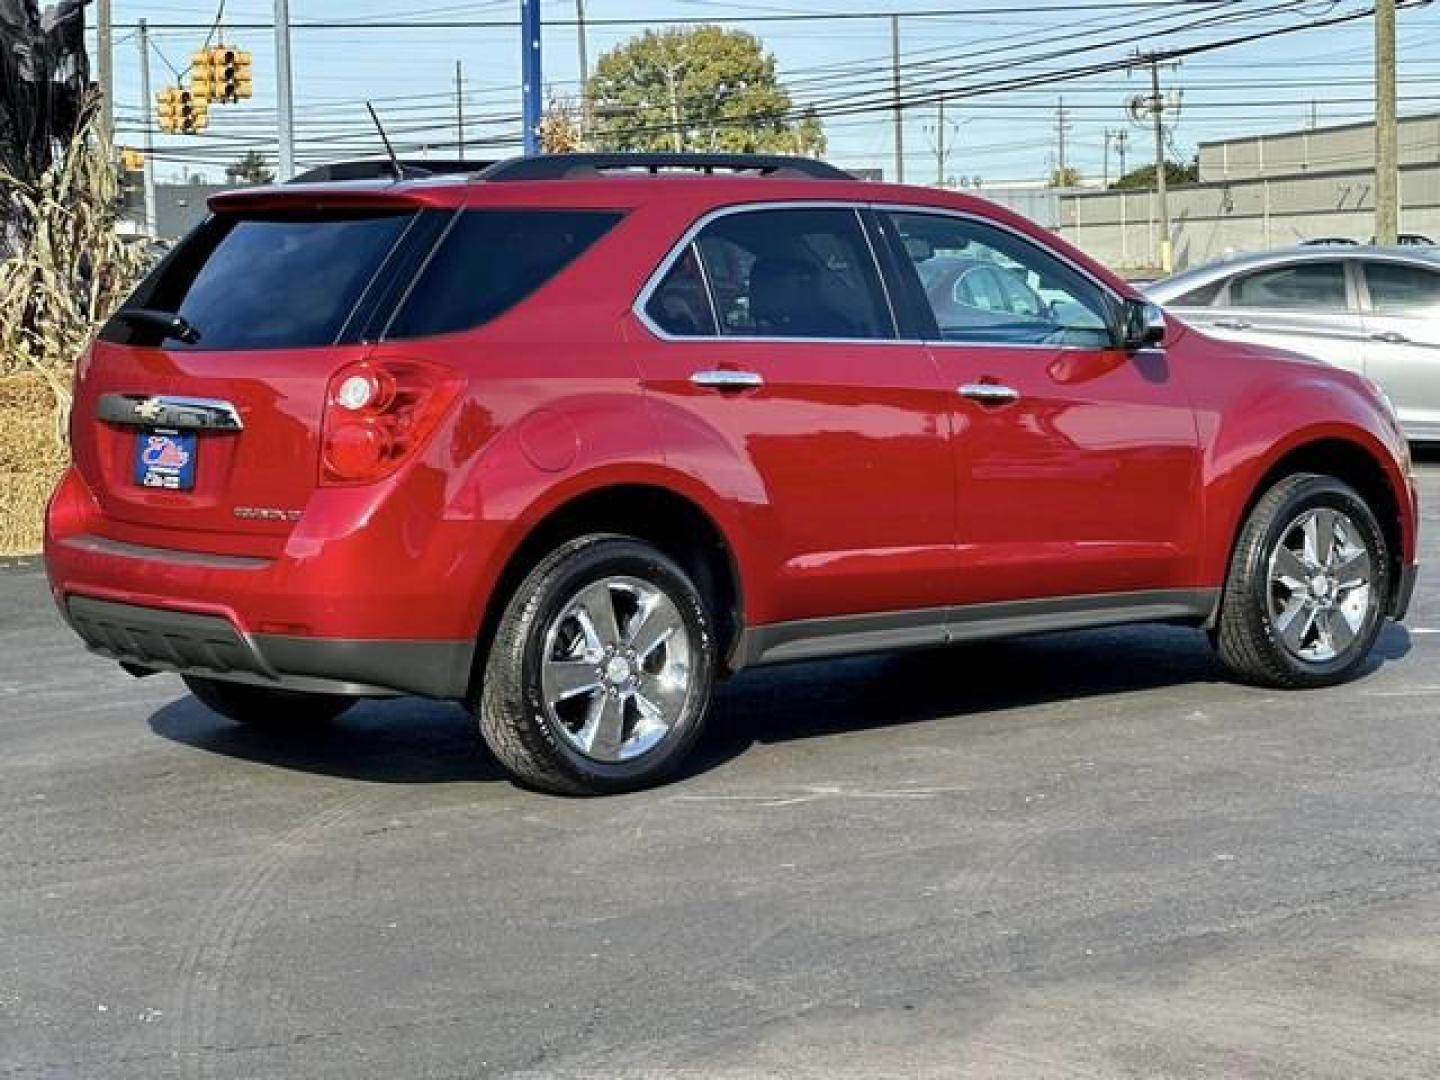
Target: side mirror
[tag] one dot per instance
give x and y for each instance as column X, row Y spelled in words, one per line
column 1143, row 325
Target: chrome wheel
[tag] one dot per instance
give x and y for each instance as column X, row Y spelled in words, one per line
column 1320, row 585
column 616, row 669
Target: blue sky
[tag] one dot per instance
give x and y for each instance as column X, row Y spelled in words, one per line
column 1267, row 85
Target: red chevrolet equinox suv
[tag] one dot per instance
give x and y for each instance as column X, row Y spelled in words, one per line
column 572, row 439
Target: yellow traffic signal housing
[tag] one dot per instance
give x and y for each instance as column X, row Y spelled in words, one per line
column 203, row 84
column 168, row 108
column 225, row 73
column 131, row 160
column 244, row 80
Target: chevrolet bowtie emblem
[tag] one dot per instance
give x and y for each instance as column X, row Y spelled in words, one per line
column 149, row 410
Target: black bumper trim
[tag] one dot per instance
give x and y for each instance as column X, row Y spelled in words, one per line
column 157, row 639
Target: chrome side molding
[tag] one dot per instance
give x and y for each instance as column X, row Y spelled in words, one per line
column 195, row 414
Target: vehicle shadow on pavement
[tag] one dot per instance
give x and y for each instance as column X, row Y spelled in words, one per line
column 804, row 701
column 404, row 741
column 413, row 741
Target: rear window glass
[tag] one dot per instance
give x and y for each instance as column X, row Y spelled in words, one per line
column 490, row 261
column 268, row 281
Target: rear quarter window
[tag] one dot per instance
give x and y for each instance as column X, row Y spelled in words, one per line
column 1202, row 296
column 285, row 280
column 490, row 261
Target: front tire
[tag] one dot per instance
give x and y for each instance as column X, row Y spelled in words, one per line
column 265, row 707
column 1307, row 589
column 600, row 674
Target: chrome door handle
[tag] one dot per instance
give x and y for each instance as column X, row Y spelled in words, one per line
column 728, row 380
column 990, row 393
column 1390, row 337
column 1233, row 324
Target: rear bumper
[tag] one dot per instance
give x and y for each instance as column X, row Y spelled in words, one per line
column 380, row 610
column 190, row 643
column 1404, row 591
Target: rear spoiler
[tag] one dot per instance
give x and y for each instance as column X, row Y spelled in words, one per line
column 358, row 195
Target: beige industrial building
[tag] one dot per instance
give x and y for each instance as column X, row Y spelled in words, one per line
column 1264, row 191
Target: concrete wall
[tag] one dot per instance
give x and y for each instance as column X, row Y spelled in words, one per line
column 1321, row 149
column 1040, row 204
column 1209, row 220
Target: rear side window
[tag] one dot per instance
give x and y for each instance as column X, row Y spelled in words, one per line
column 1399, row 289
column 1317, row 286
column 802, row 273
column 490, row 261
column 680, row 306
column 1204, row 296
column 267, row 281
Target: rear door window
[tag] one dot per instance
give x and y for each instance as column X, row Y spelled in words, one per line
column 490, row 261
column 1400, row 289
column 795, row 273
column 267, row 281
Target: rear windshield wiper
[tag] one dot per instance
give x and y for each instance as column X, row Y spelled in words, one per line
column 171, row 324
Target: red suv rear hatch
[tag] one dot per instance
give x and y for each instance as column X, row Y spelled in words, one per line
column 198, row 444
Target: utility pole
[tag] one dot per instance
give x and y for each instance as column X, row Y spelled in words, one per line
column 1105, row 157
column 1153, row 107
column 1387, row 136
column 1122, row 144
column 285, row 106
column 145, row 107
column 895, row 89
column 677, row 132
column 460, row 109
column 105, row 43
column 1158, row 111
column 582, row 45
column 530, row 74
column 1062, row 127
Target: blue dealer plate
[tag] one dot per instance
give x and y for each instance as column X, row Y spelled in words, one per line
column 165, row 459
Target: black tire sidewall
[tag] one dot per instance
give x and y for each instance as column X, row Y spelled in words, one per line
column 614, row 557
column 1319, row 493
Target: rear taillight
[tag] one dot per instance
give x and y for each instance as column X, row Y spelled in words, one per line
column 379, row 413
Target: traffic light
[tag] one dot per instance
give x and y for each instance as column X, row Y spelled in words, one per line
column 182, row 111
column 235, row 78
column 222, row 74
column 168, row 108
column 194, row 112
column 131, row 160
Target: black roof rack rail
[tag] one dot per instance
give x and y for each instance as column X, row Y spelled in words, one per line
column 383, row 169
column 581, row 166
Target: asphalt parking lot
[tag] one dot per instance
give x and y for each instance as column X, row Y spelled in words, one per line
column 1081, row 855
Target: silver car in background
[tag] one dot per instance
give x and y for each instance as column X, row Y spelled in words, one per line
column 1368, row 309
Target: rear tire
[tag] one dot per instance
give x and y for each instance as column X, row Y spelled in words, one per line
column 264, row 707
column 1307, row 589
column 600, row 674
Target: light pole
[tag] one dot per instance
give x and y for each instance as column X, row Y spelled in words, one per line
column 285, row 106
column 530, row 74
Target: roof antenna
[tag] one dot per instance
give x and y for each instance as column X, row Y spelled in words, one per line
column 395, row 166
